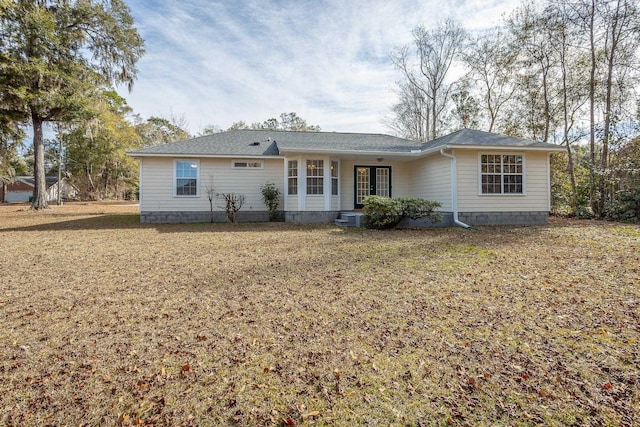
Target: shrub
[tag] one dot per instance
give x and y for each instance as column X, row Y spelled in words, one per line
column 271, row 199
column 380, row 212
column 383, row 212
column 625, row 207
column 233, row 203
column 416, row 208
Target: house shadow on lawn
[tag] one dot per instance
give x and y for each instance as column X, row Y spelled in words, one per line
column 132, row 222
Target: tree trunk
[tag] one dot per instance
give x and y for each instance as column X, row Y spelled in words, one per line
column 604, row 160
column 565, row 117
column 40, row 184
column 592, row 109
column 434, row 112
column 547, row 108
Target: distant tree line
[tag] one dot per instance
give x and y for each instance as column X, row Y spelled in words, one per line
column 565, row 72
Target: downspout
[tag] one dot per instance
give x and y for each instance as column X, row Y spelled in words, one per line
column 454, row 190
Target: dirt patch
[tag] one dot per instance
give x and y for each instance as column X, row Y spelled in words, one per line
column 109, row 321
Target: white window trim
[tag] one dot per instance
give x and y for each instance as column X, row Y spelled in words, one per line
column 297, row 177
column 337, row 177
column 175, row 178
column 323, row 176
column 247, row 161
column 524, row 175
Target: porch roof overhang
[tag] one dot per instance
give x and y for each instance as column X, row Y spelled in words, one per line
column 401, row 156
column 201, row 156
column 414, row 154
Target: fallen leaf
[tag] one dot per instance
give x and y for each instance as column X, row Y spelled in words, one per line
column 288, row 422
column 311, row 414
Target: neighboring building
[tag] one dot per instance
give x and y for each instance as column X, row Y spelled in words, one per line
column 480, row 178
column 21, row 190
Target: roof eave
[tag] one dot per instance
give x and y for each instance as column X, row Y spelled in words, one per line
column 207, row 156
column 351, row 152
column 498, row 147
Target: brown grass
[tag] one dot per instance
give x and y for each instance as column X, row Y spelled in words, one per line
column 109, row 322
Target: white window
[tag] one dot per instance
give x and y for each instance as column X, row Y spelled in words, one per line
column 334, row 178
column 292, row 175
column 315, row 176
column 187, row 177
column 501, row 174
column 245, row 164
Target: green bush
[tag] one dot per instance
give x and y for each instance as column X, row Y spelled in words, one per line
column 271, row 199
column 384, row 212
column 416, row 208
column 380, row 212
column 625, row 207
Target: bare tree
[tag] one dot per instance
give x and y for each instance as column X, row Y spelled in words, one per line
column 573, row 90
column 211, row 195
column 410, row 115
column 435, row 51
column 613, row 29
column 233, row 204
column 490, row 58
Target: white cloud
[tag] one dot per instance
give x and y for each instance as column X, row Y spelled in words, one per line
column 221, row 62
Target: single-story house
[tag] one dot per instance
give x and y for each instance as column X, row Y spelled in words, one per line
column 21, row 189
column 480, row 178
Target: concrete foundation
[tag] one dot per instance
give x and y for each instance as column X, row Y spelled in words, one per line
column 504, row 218
column 200, row 216
column 314, row 217
column 447, row 221
column 310, row 217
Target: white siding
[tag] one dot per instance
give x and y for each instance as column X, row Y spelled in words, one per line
column 431, row 179
column 157, row 184
column 315, row 203
column 292, row 203
column 335, row 203
column 536, row 185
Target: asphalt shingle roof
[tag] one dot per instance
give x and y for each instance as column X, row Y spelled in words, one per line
column 50, row 180
column 269, row 143
column 477, row 137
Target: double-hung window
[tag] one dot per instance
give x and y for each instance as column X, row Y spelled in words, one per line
column 501, row 174
column 334, row 178
column 187, row 177
column 292, row 176
column 315, row 176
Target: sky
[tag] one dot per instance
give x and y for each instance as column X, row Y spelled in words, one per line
column 219, row 62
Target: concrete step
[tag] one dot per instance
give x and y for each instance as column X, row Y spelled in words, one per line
column 349, row 219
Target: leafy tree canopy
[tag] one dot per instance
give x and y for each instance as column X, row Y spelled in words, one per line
column 54, row 53
column 288, row 122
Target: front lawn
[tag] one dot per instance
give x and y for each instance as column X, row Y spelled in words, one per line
column 106, row 321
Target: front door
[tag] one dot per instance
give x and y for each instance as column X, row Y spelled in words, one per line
column 371, row 180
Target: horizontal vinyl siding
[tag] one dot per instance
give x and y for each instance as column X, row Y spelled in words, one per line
column 314, row 203
column 335, row 203
column 292, row 203
column 432, row 180
column 536, row 185
column 157, row 185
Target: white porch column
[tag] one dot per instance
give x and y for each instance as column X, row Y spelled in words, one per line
column 302, row 183
column 327, row 184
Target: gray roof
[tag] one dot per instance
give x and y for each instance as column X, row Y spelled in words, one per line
column 477, row 137
column 244, row 142
column 49, row 180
